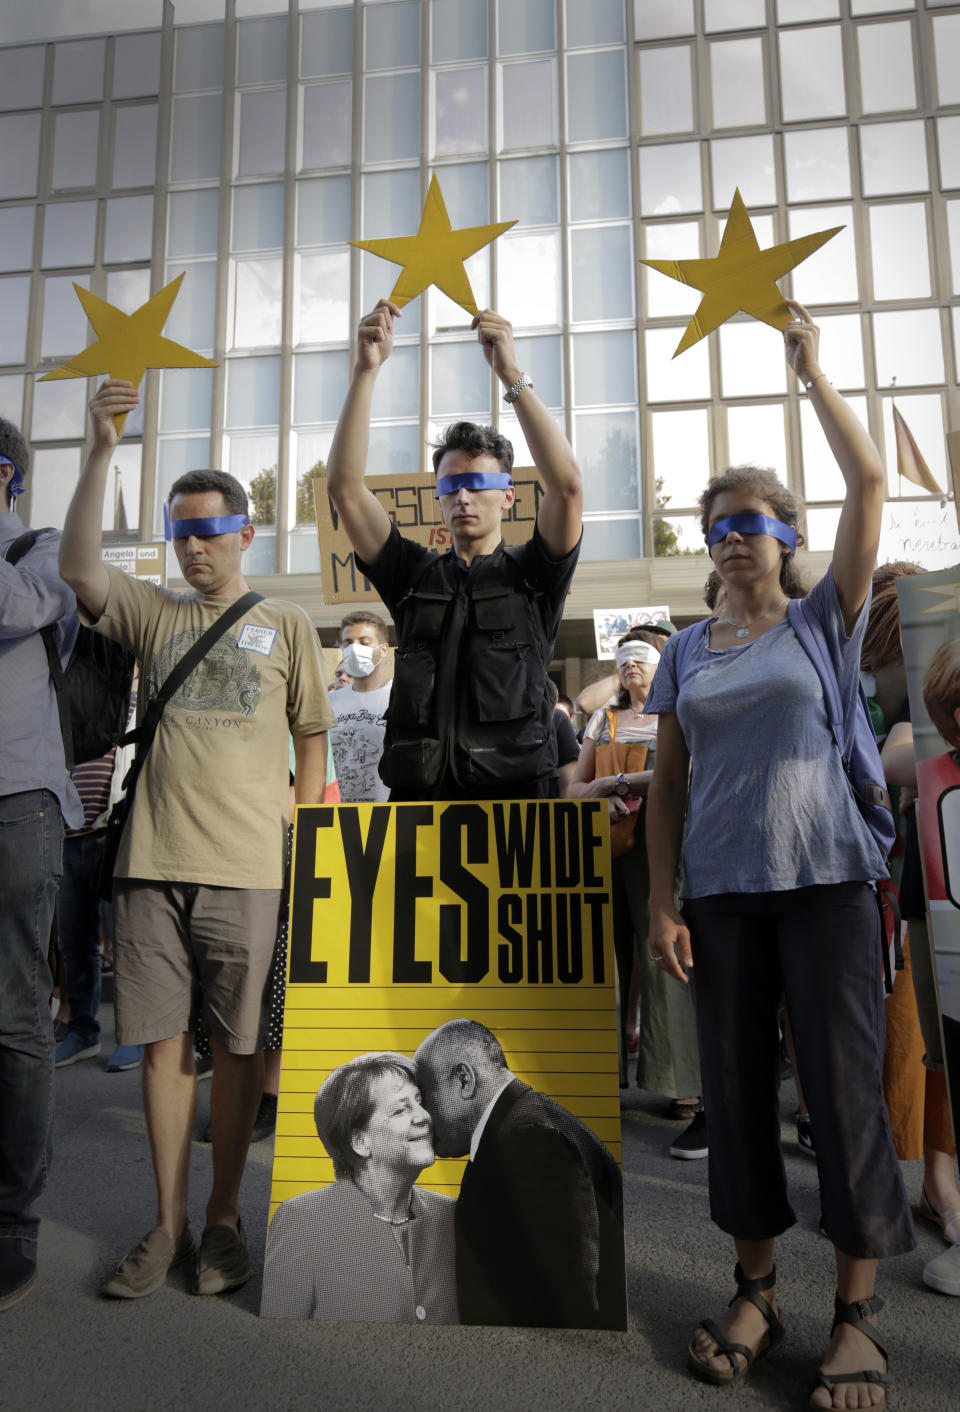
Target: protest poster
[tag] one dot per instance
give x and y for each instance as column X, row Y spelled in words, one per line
column 930, row 626
column 478, row 938
column 411, row 504
column 143, row 561
column 610, row 624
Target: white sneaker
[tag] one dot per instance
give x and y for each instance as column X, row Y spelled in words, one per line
column 943, row 1272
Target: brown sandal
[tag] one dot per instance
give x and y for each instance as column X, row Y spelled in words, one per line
column 751, row 1290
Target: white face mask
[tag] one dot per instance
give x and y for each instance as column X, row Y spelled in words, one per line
column 358, row 659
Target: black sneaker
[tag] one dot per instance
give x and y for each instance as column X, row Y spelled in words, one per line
column 265, row 1123
column 805, row 1135
column 692, row 1142
column 61, row 1028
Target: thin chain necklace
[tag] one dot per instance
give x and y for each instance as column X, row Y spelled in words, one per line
column 744, row 629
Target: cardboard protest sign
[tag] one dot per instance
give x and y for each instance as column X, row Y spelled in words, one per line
column 144, row 561
column 409, row 501
column 930, row 627
column 610, row 624
column 450, row 1029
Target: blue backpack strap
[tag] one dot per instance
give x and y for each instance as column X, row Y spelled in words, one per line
column 812, row 640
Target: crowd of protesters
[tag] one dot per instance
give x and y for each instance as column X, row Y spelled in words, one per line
column 741, row 860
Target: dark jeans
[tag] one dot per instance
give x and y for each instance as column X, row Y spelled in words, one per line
column 31, row 861
column 78, row 925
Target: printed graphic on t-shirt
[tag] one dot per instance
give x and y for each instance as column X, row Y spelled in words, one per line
column 357, row 741
column 226, row 679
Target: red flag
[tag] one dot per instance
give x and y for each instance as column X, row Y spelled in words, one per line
column 910, row 463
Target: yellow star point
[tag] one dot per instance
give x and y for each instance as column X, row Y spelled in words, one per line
column 128, row 344
column 435, row 255
column 741, row 277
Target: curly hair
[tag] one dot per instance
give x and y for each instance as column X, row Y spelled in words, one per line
column 881, row 641
column 786, row 507
column 941, row 691
column 475, row 441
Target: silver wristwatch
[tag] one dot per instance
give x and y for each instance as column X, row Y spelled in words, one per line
column 621, row 786
column 513, row 392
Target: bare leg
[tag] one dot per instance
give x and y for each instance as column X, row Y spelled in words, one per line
column 742, row 1322
column 169, row 1105
column 271, row 1070
column 236, row 1086
column 849, row 1351
column 940, row 1179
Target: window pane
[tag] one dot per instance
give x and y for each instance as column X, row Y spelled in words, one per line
column 397, row 391
column 841, row 335
column 460, row 112
column 323, row 211
column 193, row 316
column 886, row 67
column 875, row 7
column 953, row 222
column 660, row 19
column 737, row 81
column 78, row 71
column 391, row 117
column 14, row 305
column 16, row 237
column 811, row 74
column 530, row 278
column 128, row 289
column 54, row 476
column 253, row 460
column 129, row 229
column 320, row 382
column 829, row 275
column 445, row 315
column 257, row 302
column 528, row 104
column 68, row 233
column 894, row 157
column 790, row 12
column 192, row 223
column 670, row 379
column 135, row 145
column 262, row 123
column 64, row 322
column 459, row 380
column 199, row 58
column 946, row 39
column 326, row 125
column 326, row 43
column 734, row 14
column 821, row 474
column 747, row 163
column 817, row 164
column 670, row 179
column 136, row 65
column 948, row 148
column 600, row 22
column 908, row 347
column 466, row 194
column 607, row 450
column 527, row 26
column 751, row 360
column 528, row 191
column 666, row 90
column 610, row 539
column 323, row 298
column 596, row 96
column 377, row 278
column 19, row 149
column 176, row 456
column 542, row 359
column 665, row 296
column 599, row 185
column 253, row 392
column 604, row 368
column 394, row 451
column 195, row 139
column 681, row 455
column 601, row 272
column 258, row 217
column 59, row 409
column 21, row 77
column 262, row 50
column 755, row 436
column 123, row 495
column 75, row 144
column 392, row 34
column 894, row 230
column 185, row 398
column 458, row 30
column 391, row 204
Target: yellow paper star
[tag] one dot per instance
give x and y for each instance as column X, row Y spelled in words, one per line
column 435, row 255
column 741, row 276
column 128, row 344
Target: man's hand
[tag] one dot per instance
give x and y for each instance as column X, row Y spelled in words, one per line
column 375, row 336
column 495, row 335
column 115, row 398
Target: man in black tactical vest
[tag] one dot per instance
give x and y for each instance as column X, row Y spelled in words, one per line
column 471, row 713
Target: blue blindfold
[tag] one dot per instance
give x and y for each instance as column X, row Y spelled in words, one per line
column 16, row 486
column 752, row 524
column 473, row 480
column 219, row 524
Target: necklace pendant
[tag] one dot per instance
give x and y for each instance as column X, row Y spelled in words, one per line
column 742, row 632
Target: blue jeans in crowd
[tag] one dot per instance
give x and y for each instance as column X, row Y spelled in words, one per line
column 78, row 925
column 31, row 861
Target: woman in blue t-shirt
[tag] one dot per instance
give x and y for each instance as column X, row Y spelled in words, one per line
column 777, row 867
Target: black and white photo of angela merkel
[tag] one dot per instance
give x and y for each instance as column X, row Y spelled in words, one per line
column 372, row 1247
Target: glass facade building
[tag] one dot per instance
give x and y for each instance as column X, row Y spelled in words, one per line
column 245, row 143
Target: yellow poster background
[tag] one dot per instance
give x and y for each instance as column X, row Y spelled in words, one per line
column 539, row 872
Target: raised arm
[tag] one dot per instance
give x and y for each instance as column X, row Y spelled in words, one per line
column 858, row 533
column 365, row 520
column 669, row 937
column 80, row 563
column 598, row 694
column 559, row 518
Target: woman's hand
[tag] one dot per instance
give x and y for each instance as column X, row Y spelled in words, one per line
column 802, row 343
column 617, row 807
column 670, row 942
column 115, row 398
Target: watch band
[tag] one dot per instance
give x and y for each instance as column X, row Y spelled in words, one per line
column 513, row 392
